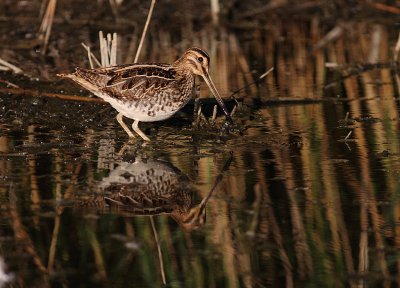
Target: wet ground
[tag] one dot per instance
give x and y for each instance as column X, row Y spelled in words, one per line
column 303, row 192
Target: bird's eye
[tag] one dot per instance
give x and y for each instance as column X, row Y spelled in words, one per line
column 200, row 59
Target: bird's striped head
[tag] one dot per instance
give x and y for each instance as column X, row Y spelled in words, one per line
column 197, row 61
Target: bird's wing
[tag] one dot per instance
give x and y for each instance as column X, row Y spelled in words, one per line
column 138, row 80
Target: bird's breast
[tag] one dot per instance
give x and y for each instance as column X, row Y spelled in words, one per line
column 155, row 100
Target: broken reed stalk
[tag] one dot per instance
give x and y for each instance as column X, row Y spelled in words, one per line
column 108, row 49
column 91, row 56
column 348, row 135
column 234, row 110
column 112, row 48
column 6, row 66
column 103, row 50
column 214, row 115
column 47, row 23
column 153, row 2
column 331, row 36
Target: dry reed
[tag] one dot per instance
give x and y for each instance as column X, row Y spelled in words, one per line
column 153, row 3
column 108, row 49
column 6, row 66
column 46, row 25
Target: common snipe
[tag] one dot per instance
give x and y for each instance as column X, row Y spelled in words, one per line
column 149, row 92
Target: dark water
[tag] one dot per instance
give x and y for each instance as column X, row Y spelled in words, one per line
column 307, row 195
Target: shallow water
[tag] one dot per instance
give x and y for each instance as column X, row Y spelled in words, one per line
column 295, row 204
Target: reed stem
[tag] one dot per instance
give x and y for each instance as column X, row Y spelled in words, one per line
column 153, row 2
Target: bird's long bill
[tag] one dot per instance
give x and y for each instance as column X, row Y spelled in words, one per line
column 214, row 91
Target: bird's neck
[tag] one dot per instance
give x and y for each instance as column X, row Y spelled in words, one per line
column 182, row 67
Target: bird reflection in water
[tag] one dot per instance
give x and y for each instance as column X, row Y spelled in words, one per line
column 150, row 187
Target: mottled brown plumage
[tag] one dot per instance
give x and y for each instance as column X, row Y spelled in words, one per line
column 148, row 92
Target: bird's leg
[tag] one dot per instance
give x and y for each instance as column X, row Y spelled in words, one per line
column 121, row 122
column 196, row 113
column 196, row 97
column 135, row 127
